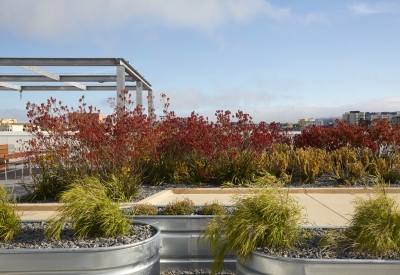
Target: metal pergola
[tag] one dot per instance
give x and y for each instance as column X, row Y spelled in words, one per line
column 48, row 81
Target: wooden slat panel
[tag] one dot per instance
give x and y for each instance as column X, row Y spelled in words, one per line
column 14, row 156
column 3, row 150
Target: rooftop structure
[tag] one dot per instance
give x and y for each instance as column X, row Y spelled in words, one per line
column 48, row 81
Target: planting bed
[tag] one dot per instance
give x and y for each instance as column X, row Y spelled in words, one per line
column 311, row 250
column 31, row 253
column 32, row 237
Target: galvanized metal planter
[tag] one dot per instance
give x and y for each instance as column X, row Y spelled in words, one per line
column 138, row 258
column 180, row 249
column 259, row 263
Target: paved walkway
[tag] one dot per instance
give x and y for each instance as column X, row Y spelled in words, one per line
column 323, row 206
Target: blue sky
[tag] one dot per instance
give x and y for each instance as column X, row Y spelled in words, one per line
column 276, row 60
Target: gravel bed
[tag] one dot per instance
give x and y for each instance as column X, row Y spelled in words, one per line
column 194, row 272
column 197, row 211
column 32, row 237
column 310, row 250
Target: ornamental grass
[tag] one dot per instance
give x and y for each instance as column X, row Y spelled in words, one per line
column 10, row 222
column 375, row 223
column 90, row 210
column 266, row 218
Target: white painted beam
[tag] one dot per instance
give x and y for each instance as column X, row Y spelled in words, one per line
column 42, row 72
column 52, row 76
column 11, row 86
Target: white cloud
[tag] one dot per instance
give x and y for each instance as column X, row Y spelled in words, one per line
column 316, row 18
column 368, row 9
column 259, row 106
column 64, row 19
column 49, row 18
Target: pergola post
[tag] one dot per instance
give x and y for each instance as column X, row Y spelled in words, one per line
column 150, row 103
column 139, row 101
column 120, row 85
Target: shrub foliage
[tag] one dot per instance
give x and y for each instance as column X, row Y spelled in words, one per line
column 130, row 148
column 144, row 209
column 183, row 206
column 213, row 208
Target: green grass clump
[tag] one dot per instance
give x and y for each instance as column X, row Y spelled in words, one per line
column 180, row 207
column 10, row 222
column 91, row 212
column 214, row 208
column 375, row 224
column 266, row 218
column 144, row 209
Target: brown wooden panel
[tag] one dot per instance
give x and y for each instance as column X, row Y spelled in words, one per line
column 3, row 150
column 14, row 156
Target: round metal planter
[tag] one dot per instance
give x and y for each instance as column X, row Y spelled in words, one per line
column 180, row 249
column 138, row 258
column 259, row 263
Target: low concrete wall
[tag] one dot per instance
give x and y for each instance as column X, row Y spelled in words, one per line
column 11, row 138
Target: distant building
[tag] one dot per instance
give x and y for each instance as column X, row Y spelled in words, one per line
column 287, row 126
column 305, row 122
column 8, row 127
column 8, row 120
column 395, row 119
column 377, row 116
column 354, row 117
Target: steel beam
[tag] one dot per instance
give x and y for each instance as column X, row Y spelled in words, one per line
column 64, row 78
column 59, row 61
column 150, row 104
column 120, row 86
column 139, row 101
column 135, row 74
column 64, row 88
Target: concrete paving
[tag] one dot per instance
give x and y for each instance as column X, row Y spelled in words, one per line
column 322, row 206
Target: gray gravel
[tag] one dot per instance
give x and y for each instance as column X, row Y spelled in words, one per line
column 32, row 237
column 311, row 250
column 194, row 272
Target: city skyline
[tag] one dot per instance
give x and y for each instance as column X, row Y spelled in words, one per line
column 276, row 60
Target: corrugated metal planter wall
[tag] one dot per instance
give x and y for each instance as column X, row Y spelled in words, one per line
column 259, row 263
column 139, row 259
column 180, row 249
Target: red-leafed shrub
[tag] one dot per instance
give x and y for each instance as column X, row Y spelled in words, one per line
column 381, row 138
column 129, row 148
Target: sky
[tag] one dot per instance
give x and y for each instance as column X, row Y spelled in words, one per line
column 276, row 60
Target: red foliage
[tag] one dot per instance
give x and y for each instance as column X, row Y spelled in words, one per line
column 382, row 138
